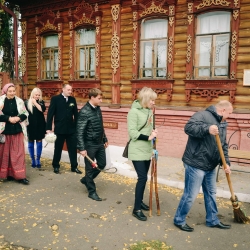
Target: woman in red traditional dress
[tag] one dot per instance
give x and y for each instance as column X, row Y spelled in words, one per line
column 13, row 122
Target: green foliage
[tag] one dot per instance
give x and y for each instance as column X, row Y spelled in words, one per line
column 6, row 43
column 5, row 31
column 150, row 245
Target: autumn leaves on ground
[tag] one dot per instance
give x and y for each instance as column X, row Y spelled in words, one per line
column 54, row 212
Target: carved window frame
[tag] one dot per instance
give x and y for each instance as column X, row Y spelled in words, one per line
column 47, row 24
column 86, row 71
column 52, row 75
column 84, row 16
column 153, row 10
column 211, row 88
column 213, row 53
column 153, row 41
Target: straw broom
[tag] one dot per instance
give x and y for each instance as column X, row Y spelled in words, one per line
column 239, row 215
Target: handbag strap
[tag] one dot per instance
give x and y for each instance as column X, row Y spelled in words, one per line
column 145, row 122
column 143, row 125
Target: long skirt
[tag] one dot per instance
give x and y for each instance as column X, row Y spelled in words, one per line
column 12, row 157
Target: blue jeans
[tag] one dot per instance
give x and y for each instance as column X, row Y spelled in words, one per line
column 194, row 179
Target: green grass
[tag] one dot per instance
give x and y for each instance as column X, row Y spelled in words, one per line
column 150, row 245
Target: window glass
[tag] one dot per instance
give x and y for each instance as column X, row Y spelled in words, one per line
column 50, row 57
column 153, row 58
column 212, row 45
column 85, row 53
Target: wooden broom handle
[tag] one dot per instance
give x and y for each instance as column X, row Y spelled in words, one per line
column 217, row 137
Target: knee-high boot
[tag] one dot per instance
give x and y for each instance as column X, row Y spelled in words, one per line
column 39, row 147
column 31, row 152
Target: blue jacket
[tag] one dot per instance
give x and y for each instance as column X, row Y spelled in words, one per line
column 201, row 149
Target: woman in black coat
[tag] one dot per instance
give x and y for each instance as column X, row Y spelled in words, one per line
column 37, row 125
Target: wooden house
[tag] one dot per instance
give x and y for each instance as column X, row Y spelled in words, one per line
column 193, row 53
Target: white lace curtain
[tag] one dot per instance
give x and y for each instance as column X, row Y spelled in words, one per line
column 155, row 29
column 51, row 41
column 87, row 36
column 213, row 22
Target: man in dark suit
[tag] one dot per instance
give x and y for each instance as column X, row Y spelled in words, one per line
column 63, row 109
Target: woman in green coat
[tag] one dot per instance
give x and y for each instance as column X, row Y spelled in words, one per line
column 141, row 133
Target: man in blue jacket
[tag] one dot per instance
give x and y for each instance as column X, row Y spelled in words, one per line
column 200, row 159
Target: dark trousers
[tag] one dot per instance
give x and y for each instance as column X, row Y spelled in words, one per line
column 94, row 152
column 72, row 151
column 141, row 168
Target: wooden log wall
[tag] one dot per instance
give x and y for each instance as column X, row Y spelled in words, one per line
column 242, row 99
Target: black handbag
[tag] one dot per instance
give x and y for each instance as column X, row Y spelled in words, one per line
column 125, row 152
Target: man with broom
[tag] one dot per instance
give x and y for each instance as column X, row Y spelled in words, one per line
column 91, row 140
column 200, row 159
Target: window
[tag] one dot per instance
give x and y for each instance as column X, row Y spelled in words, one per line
column 50, row 57
column 85, row 54
column 153, row 61
column 212, row 45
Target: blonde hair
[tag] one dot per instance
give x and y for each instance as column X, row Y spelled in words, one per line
column 145, row 95
column 30, row 104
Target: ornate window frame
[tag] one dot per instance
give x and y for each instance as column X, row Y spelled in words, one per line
column 149, row 9
column 211, row 88
column 49, row 23
column 84, row 16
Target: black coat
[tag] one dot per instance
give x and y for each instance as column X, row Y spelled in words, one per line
column 64, row 113
column 10, row 109
column 201, row 149
column 90, row 128
column 37, row 126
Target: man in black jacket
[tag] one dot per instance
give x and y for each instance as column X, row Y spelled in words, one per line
column 91, row 140
column 200, row 159
column 63, row 109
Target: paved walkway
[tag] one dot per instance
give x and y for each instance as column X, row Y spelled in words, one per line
column 54, row 211
column 171, row 172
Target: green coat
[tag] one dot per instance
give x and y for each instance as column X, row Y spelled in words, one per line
column 139, row 150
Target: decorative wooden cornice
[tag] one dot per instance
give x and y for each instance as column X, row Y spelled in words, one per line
column 202, row 5
column 47, row 22
column 211, row 88
column 85, row 14
column 37, row 7
column 50, row 88
column 159, row 86
column 149, row 8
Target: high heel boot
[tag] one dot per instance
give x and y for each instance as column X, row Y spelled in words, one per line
column 31, row 152
column 39, row 147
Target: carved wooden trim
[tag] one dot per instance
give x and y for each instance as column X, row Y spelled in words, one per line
column 24, row 51
column 48, row 22
column 159, row 86
column 82, row 87
column 50, row 88
column 210, row 88
column 85, row 15
column 146, row 9
column 115, row 51
column 195, row 7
